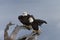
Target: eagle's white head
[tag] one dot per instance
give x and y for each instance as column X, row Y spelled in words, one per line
column 25, row 13
column 31, row 19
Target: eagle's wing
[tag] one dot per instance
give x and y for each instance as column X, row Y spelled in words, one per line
column 40, row 22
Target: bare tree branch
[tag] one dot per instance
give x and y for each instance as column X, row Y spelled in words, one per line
column 15, row 31
column 6, row 36
column 32, row 36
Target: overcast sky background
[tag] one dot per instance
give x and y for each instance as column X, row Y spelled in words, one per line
column 48, row 10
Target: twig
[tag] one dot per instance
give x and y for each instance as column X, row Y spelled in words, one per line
column 6, row 36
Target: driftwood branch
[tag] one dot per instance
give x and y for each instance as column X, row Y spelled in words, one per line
column 6, row 36
column 32, row 36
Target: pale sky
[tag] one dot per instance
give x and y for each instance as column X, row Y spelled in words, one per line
column 48, row 10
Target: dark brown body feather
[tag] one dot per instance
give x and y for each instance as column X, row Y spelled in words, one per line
column 37, row 23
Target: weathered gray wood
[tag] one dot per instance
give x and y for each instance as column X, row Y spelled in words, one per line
column 13, row 35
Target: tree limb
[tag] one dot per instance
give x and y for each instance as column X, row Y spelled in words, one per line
column 32, row 36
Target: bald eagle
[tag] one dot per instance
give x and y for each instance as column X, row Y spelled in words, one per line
column 27, row 20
